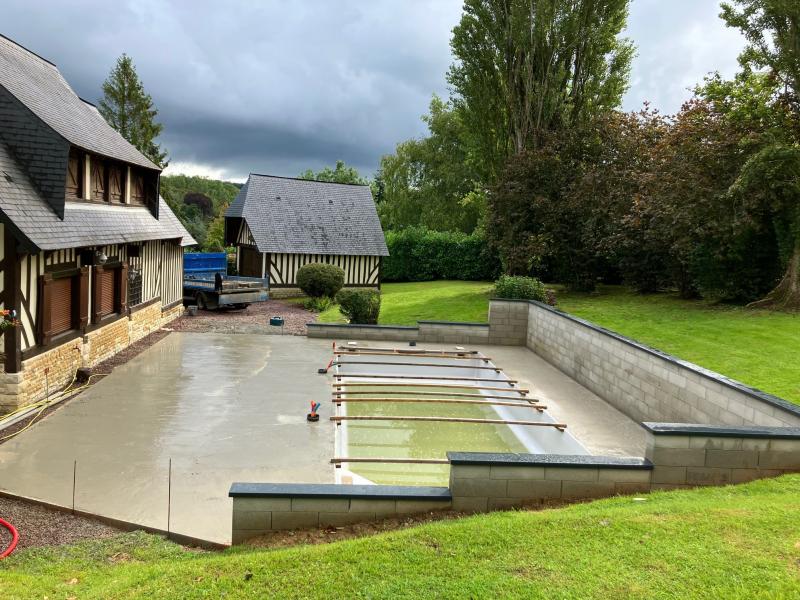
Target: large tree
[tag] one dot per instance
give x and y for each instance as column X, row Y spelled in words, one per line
column 432, row 181
column 772, row 30
column 129, row 109
column 527, row 67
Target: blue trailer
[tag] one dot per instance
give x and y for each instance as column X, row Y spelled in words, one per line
column 206, row 283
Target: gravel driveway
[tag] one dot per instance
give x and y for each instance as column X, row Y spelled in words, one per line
column 253, row 319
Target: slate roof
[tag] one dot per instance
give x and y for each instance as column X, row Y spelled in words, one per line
column 40, row 87
column 84, row 224
column 298, row 216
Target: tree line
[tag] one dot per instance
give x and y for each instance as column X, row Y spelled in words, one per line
column 531, row 156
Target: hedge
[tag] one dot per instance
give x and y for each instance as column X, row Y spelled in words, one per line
column 418, row 254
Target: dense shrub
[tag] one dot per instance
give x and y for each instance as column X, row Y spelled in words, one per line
column 318, row 279
column 360, row 306
column 419, row 254
column 522, row 288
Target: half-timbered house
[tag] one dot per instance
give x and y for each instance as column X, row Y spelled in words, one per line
column 279, row 224
column 91, row 256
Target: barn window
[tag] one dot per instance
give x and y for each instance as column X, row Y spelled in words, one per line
column 64, row 303
column 99, row 182
column 109, row 291
column 116, row 184
column 74, row 185
column 137, row 187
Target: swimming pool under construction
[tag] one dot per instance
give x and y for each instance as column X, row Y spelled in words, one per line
column 399, row 411
column 159, row 442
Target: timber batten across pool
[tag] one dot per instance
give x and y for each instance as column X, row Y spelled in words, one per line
column 399, row 412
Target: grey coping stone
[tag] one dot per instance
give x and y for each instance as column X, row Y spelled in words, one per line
column 750, row 431
column 332, row 490
column 775, row 401
column 548, row 460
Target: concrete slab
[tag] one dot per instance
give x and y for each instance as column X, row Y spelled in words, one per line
column 230, row 408
column 224, row 408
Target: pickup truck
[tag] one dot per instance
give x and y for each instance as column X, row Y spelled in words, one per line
column 206, row 283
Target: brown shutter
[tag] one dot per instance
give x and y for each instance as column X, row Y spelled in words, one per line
column 115, row 188
column 56, row 314
column 74, row 175
column 98, row 179
column 105, row 281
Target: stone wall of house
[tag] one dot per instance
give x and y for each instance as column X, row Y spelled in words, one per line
column 53, row 370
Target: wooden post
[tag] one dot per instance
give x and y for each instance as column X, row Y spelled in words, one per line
column 97, row 312
column 13, row 301
column 83, row 299
column 122, row 288
column 45, row 302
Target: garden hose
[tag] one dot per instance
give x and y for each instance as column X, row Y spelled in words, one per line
column 14, row 538
column 43, row 404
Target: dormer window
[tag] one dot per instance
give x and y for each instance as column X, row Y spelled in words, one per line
column 74, row 186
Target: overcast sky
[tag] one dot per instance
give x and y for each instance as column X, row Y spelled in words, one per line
column 280, row 86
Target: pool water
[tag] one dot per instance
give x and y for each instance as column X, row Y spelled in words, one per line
column 415, row 439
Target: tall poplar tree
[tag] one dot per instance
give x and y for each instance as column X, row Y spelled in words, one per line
column 129, row 109
column 528, row 67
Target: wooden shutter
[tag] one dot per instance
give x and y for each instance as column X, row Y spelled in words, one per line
column 115, row 184
column 137, row 188
column 74, row 175
column 98, row 179
column 57, row 310
column 250, row 263
column 61, row 305
column 105, row 281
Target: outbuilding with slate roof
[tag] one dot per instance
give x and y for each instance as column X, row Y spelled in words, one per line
column 91, row 257
column 279, row 224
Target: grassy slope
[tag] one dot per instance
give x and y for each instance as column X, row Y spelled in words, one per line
column 756, row 347
column 733, row 542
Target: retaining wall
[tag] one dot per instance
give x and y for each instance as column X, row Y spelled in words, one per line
column 259, row 508
column 697, row 455
column 488, row 481
column 644, row 383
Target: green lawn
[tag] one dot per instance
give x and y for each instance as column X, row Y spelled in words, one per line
column 730, row 542
column 759, row 348
column 407, row 303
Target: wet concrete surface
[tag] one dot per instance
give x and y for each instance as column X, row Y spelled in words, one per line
column 223, row 408
column 230, row 408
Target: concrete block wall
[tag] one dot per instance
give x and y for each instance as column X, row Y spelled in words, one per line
column 260, row 508
column 643, row 383
column 696, row 455
column 444, row 332
column 508, row 323
column 481, row 482
column 362, row 332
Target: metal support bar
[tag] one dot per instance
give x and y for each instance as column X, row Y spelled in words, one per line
column 416, row 354
column 539, row 407
column 411, row 461
column 338, row 384
column 444, row 394
column 415, row 350
column 339, row 419
column 413, row 364
column 436, row 377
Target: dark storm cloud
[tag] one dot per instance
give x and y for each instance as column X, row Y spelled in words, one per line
column 280, row 86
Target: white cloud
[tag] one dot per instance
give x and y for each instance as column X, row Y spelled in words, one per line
column 199, row 170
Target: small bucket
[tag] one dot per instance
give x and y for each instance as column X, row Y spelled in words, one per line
column 277, row 321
